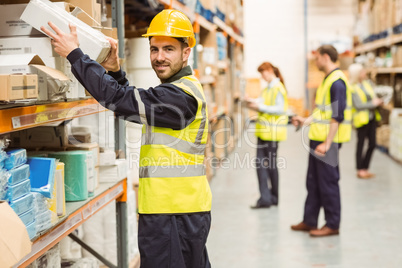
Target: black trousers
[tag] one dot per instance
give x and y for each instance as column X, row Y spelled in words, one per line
column 174, row 241
column 323, row 187
column 365, row 132
column 267, row 172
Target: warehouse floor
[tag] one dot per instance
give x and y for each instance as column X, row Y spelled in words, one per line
column 371, row 225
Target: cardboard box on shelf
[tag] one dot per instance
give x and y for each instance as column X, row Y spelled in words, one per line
column 91, row 14
column 92, row 42
column 11, row 23
column 40, row 46
column 53, row 84
column 220, row 138
column 11, row 64
column 108, row 31
column 18, row 86
column 54, row 136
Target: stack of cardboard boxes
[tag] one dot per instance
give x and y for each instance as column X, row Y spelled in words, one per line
column 20, row 35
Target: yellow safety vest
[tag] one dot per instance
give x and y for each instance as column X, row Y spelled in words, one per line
column 172, row 170
column 322, row 113
column 273, row 127
column 361, row 118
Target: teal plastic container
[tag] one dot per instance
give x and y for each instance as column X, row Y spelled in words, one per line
column 75, row 174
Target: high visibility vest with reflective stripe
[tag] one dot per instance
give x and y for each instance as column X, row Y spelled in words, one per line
column 361, row 118
column 172, row 170
column 322, row 113
column 273, row 127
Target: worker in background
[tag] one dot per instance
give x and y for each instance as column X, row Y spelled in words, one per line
column 330, row 126
column 365, row 117
column 271, row 128
column 174, row 194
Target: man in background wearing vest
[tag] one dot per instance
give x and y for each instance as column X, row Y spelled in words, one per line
column 174, row 194
column 330, row 126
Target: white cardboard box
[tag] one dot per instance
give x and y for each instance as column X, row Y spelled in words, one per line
column 52, row 84
column 40, row 46
column 92, row 42
column 11, row 64
column 113, row 173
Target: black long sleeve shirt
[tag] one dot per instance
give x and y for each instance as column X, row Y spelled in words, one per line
column 165, row 105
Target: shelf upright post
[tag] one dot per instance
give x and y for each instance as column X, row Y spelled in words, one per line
column 122, row 229
column 118, row 22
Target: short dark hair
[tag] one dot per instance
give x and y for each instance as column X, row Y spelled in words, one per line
column 330, row 51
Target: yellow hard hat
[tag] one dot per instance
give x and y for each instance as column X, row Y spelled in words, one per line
column 172, row 23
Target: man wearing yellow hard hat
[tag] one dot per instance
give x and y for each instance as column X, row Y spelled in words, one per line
column 174, row 196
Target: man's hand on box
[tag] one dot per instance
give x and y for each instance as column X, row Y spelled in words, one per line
column 111, row 63
column 63, row 43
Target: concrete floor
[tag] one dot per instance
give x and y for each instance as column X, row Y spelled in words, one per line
column 371, row 225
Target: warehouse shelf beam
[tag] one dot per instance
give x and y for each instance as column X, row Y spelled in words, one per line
column 386, row 70
column 15, row 119
column 385, row 42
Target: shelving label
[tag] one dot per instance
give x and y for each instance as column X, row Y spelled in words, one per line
column 116, row 192
column 86, row 212
column 98, row 204
column 16, row 122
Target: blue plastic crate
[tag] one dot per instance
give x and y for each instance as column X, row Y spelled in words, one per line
column 220, row 15
column 22, row 204
column 18, row 174
column 43, row 221
column 31, row 228
column 16, row 158
column 18, row 190
column 28, row 217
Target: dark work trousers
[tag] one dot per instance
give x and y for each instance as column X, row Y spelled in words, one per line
column 174, row 241
column 365, row 132
column 322, row 187
column 267, row 172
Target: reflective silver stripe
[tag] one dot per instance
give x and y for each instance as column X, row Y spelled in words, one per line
column 172, row 171
column 196, row 92
column 322, row 107
column 201, row 130
column 192, row 87
column 146, row 137
column 329, row 121
column 141, row 106
column 178, row 144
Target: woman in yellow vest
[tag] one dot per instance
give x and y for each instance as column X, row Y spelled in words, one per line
column 365, row 117
column 271, row 128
